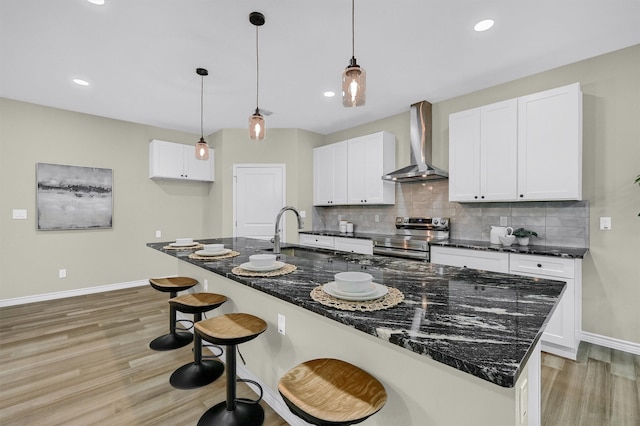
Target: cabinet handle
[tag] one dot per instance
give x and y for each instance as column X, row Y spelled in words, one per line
column 539, row 265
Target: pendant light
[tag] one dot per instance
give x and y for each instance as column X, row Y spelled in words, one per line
column 354, row 78
column 202, row 149
column 256, row 121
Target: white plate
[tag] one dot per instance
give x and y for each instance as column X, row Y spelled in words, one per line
column 249, row 267
column 381, row 290
column 195, row 243
column 334, row 288
column 213, row 253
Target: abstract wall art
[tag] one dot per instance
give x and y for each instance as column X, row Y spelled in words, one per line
column 73, row 197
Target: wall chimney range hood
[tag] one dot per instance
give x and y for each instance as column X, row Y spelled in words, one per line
column 421, row 146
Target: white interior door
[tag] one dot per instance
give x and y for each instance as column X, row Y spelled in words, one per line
column 259, row 194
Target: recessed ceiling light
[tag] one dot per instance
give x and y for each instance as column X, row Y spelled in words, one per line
column 329, row 94
column 484, row 25
column 80, row 82
column 98, row 2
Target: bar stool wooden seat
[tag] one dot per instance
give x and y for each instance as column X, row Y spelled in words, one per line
column 331, row 392
column 231, row 330
column 174, row 339
column 200, row 372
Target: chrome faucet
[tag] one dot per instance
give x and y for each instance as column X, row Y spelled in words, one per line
column 276, row 237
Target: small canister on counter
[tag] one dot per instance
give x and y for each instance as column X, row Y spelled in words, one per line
column 343, row 226
column 349, row 227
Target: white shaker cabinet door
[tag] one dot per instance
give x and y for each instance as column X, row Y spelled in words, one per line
column 464, row 155
column 499, row 151
column 330, row 175
column 550, row 145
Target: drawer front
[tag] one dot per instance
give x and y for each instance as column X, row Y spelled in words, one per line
column 542, row 265
column 322, row 241
column 474, row 259
column 354, row 245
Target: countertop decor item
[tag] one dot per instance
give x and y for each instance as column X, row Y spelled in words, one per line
column 392, row 298
column 285, row 269
column 523, row 235
column 209, row 258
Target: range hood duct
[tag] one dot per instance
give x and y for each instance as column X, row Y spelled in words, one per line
column 421, row 146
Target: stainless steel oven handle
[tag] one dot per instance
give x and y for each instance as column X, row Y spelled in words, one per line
column 420, row 255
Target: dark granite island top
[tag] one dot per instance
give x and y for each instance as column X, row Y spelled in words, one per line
column 485, row 324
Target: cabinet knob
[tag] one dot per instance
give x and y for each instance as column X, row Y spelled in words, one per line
column 482, row 197
column 475, row 196
column 521, row 195
column 539, row 265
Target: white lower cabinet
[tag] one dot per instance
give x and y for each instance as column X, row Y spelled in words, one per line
column 354, row 245
column 474, row 259
column 320, row 241
column 351, row 245
column 562, row 333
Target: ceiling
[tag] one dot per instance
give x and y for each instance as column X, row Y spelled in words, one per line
column 140, row 56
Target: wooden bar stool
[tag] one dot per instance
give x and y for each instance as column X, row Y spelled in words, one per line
column 199, row 372
column 330, row 392
column 231, row 330
column 174, row 339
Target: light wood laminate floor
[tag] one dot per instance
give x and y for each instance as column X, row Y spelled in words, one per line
column 86, row 360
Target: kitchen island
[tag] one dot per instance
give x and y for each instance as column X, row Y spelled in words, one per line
column 459, row 349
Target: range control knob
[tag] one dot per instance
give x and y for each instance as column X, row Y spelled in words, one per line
column 435, row 221
column 443, row 222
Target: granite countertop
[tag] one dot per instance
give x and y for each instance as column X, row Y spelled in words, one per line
column 483, row 323
column 566, row 252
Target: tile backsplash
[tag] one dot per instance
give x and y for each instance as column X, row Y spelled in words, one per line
column 558, row 223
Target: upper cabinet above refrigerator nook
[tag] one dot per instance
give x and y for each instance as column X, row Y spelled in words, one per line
column 169, row 160
column 523, row 149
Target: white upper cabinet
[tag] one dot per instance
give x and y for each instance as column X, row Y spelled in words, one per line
column 330, row 175
column 482, row 156
column 350, row 172
column 550, row 145
column 522, row 149
column 169, row 160
column 370, row 157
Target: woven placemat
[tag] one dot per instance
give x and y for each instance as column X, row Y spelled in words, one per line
column 195, row 247
column 286, row 269
column 224, row 256
column 389, row 300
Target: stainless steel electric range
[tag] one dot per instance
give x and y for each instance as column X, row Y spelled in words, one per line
column 412, row 237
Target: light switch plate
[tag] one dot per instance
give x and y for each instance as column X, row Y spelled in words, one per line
column 605, row 224
column 19, row 214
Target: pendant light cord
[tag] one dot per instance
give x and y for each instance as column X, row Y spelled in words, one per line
column 353, row 31
column 201, row 105
column 257, row 70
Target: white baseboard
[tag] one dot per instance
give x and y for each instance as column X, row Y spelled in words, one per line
column 610, row 342
column 70, row 293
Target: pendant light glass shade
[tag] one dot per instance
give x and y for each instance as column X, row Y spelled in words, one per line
column 202, row 149
column 354, row 85
column 256, row 126
column 354, row 78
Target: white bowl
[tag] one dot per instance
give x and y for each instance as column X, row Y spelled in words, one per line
column 262, row 260
column 353, row 282
column 507, row 240
column 213, row 247
column 184, row 240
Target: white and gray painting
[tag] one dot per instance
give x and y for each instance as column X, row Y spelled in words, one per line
column 73, row 197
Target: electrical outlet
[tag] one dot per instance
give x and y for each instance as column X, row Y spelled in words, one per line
column 281, row 324
column 205, row 286
column 503, row 221
column 605, row 224
column 303, row 214
column 158, row 234
column 19, row 214
column 523, row 403
column 62, row 273
column 376, row 218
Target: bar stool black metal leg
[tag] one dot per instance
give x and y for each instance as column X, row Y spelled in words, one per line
column 175, row 339
column 200, row 372
column 232, row 412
